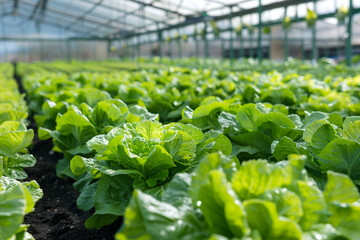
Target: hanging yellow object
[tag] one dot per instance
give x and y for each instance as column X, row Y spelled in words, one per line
column 311, row 18
column 286, row 22
column 341, row 14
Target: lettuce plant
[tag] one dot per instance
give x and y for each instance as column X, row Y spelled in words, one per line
column 14, row 138
column 59, row 102
column 330, row 144
column 256, row 200
column 16, row 200
column 79, row 124
column 144, row 155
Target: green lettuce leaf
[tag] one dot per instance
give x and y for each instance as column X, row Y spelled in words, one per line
column 14, row 137
column 343, row 156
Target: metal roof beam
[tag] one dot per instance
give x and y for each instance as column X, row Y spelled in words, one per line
column 156, row 7
column 96, row 15
column 123, row 11
column 217, row 2
column 71, row 15
column 141, row 8
column 279, row 4
column 6, row 1
column 42, row 5
column 82, row 17
column 192, row 20
column 15, row 7
column 37, row 39
column 189, row 9
column 188, row 18
column 163, row 22
column 59, row 25
column 228, row 5
column 35, row 9
column 64, row 20
column 117, row 19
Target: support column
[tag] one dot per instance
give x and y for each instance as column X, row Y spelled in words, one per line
column 68, row 49
column 179, row 39
column 41, row 48
column 251, row 52
column 313, row 38
column 126, row 48
column 231, row 36
column 206, row 41
column 302, row 49
column 109, row 46
column 138, row 50
column 286, row 38
column 326, row 52
column 339, row 42
column 259, row 48
column 196, row 39
column 160, row 38
column 313, row 43
column 170, row 47
column 241, row 46
column 197, row 48
column 349, row 34
column 222, row 48
column 286, row 44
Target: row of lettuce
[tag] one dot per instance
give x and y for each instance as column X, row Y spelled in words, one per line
column 17, row 198
column 172, row 149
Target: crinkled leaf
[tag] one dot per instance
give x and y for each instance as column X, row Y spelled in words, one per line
column 339, row 188
column 14, row 137
column 113, row 194
column 262, row 216
column 87, row 197
column 283, row 148
column 222, row 211
column 12, row 210
column 319, row 134
column 256, row 177
column 313, row 202
column 288, row 204
column 247, row 115
column 341, row 155
column 352, row 131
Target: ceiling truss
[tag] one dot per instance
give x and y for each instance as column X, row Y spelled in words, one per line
column 94, row 21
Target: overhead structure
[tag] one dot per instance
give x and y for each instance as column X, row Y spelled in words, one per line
column 139, row 22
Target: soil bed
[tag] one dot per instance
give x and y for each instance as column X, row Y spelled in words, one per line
column 56, row 215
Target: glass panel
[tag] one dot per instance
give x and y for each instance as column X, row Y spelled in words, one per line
column 325, row 7
column 356, row 4
column 291, row 11
column 249, row 4
column 302, row 10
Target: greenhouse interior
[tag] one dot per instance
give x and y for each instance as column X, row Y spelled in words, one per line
column 180, row 120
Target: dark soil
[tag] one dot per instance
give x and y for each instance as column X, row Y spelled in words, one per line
column 56, row 215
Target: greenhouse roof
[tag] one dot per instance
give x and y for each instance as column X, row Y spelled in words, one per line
column 118, row 18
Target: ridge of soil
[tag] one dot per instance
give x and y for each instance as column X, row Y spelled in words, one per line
column 56, row 215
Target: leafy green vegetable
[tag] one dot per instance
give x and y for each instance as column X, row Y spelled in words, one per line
column 105, row 123
column 224, row 203
column 144, row 155
column 16, row 198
